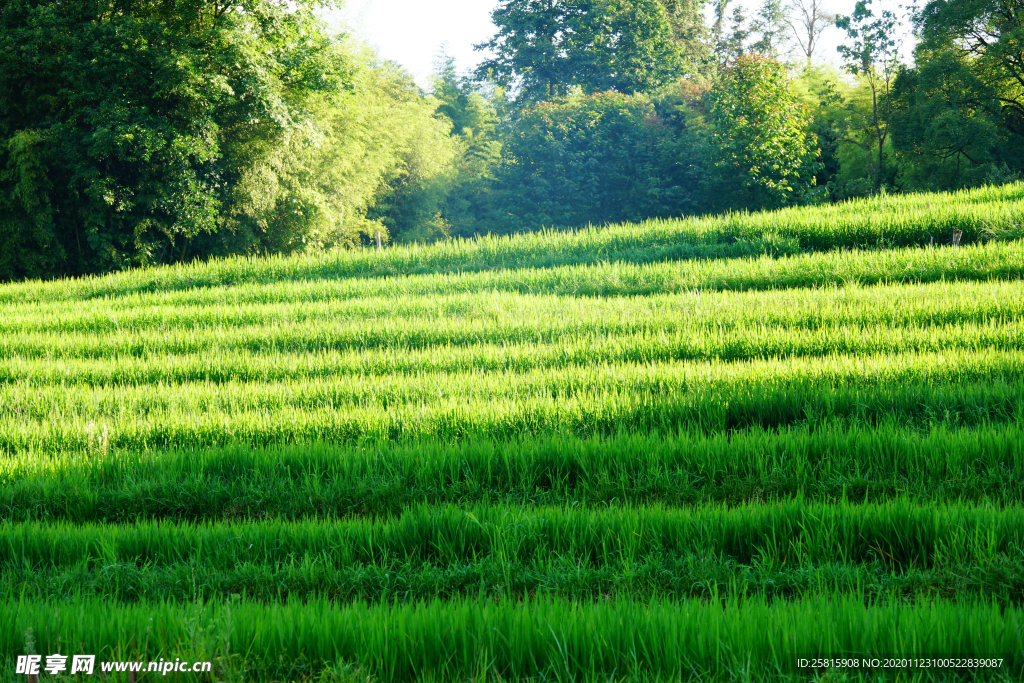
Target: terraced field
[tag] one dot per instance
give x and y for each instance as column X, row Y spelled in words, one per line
column 685, row 450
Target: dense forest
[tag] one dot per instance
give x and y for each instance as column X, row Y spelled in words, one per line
column 137, row 132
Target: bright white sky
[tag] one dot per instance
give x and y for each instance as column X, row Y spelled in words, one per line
column 411, row 32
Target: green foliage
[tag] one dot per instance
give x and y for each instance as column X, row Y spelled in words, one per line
column 735, row 44
column 770, row 25
column 989, row 33
column 764, row 33
column 423, row 164
column 127, row 124
column 202, row 131
column 372, row 159
column 476, row 123
column 544, row 49
column 846, row 115
column 987, row 39
column 872, row 38
column 137, row 133
column 595, row 159
column 946, row 124
column 825, row 93
column 873, row 56
column 763, row 155
column 686, row 17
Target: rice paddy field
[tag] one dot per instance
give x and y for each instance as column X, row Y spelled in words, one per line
column 785, row 446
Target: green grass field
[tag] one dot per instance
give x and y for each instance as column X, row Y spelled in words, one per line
column 694, row 450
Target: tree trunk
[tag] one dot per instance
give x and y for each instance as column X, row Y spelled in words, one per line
column 880, row 169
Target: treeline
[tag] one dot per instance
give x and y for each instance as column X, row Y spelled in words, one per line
column 135, row 132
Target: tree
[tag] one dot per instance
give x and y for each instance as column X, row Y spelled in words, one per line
column 590, row 159
column 770, row 26
column 461, row 101
column 476, row 123
column 765, row 157
column 946, row 123
column 807, row 20
column 824, row 91
column 125, row 123
column 545, row 48
column 873, row 54
column 733, row 45
column 717, row 30
column 991, row 34
column 686, row 17
column 386, row 140
column 371, row 158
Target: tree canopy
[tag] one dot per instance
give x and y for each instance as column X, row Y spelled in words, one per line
column 763, row 150
column 946, row 122
column 590, row 159
column 126, row 123
column 990, row 32
column 545, row 48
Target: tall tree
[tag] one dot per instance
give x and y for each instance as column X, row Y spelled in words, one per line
column 718, row 28
column 734, row 44
column 545, row 48
column 991, row 34
column 764, row 155
column 690, row 31
column 770, row 26
column 945, row 123
column 477, row 126
column 124, row 124
column 873, row 54
column 807, row 20
column 588, row 159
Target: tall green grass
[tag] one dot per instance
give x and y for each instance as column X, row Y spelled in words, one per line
column 990, row 261
column 540, row 639
column 955, row 387
column 790, row 550
column 317, row 351
column 896, row 533
column 380, row 480
column 999, row 579
column 769, row 323
column 487, row 313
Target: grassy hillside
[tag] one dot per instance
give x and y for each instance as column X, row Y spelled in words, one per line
column 683, row 450
column 983, row 215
